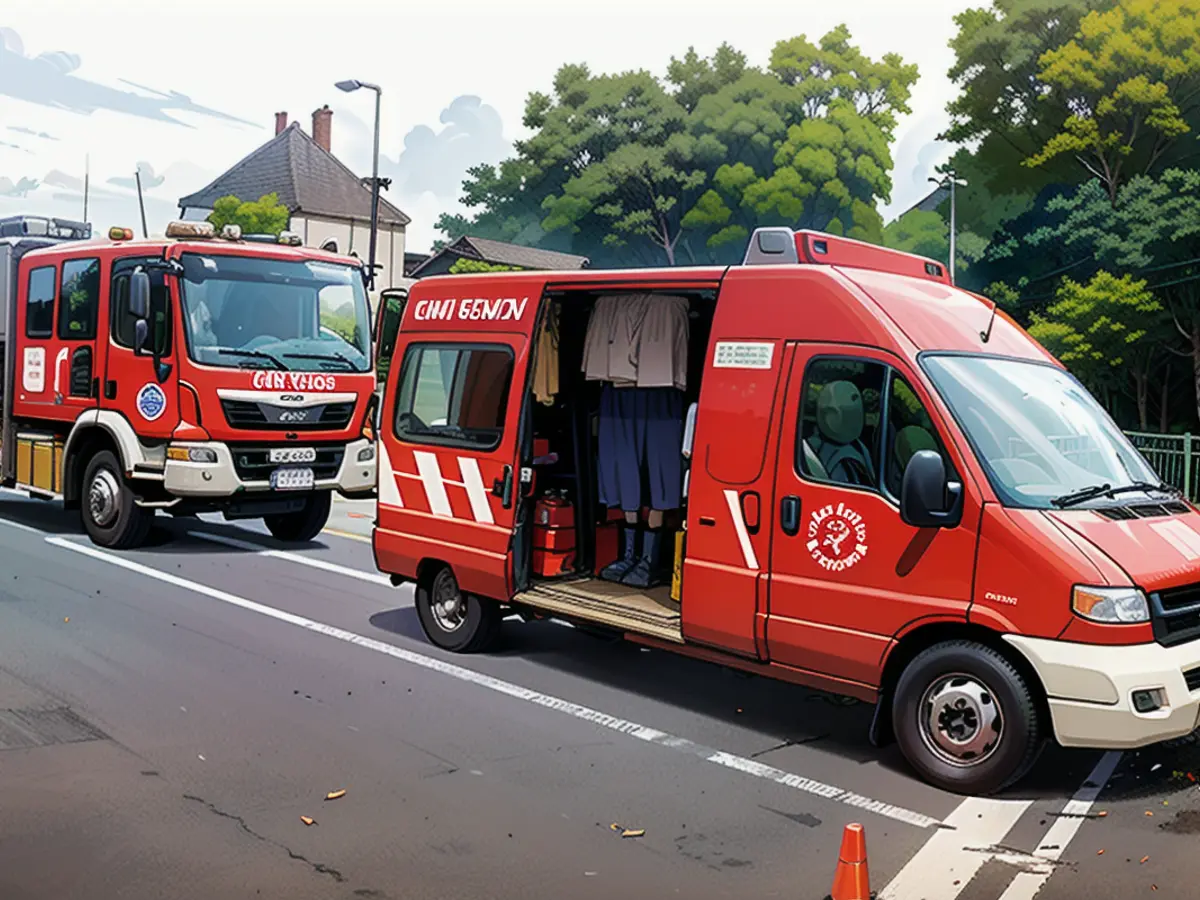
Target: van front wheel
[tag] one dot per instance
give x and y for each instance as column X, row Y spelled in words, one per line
column 966, row 719
column 454, row 620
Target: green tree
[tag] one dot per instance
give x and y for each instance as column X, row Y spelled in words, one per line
column 1130, row 80
column 1108, row 331
column 626, row 168
column 464, row 266
column 262, row 216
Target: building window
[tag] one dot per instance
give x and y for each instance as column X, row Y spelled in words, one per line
column 80, row 299
column 456, row 395
column 39, row 304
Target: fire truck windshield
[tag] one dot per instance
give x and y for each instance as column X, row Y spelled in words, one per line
column 251, row 312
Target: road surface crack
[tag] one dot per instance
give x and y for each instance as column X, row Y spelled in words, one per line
column 316, row 866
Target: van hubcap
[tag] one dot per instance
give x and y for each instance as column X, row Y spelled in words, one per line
column 103, row 498
column 960, row 721
column 449, row 604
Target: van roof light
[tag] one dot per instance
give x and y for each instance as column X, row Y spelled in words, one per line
column 202, row 230
column 782, row 246
column 117, row 233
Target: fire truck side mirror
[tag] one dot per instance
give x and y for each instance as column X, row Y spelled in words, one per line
column 139, row 295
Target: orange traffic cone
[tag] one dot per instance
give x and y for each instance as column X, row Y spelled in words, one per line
column 851, row 881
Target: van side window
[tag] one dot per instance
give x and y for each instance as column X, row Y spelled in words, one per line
column 840, row 422
column 80, row 299
column 39, row 303
column 909, row 429
column 454, row 394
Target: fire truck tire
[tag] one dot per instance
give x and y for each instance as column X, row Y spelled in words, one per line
column 110, row 514
column 966, row 719
column 301, row 527
column 453, row 620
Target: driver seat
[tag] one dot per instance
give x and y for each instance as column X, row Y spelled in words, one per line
column 838, row 446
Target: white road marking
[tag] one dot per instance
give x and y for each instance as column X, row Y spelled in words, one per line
column 632, row 729
column 260, row 550
column 20, row 526
column 1026, row 885
column 942, row 868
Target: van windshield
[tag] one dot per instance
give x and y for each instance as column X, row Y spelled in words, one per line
column 256, row 313
column 1039, row 434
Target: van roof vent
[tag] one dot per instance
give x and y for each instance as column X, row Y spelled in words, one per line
column 783, row 246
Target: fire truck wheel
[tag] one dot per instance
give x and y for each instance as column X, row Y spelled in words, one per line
column 303, row 526
column 966, row 719
column 453, row 620
column 110, row 516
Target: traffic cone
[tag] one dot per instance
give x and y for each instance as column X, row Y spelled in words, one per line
column 851, row 881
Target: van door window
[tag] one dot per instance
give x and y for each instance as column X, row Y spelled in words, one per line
column 909, row 429
column 840, row 422
column 453, row 395
column 39, row 303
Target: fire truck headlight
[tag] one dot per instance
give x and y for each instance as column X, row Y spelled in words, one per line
column 192, row 454
column 1110, row 606
column 366, row 454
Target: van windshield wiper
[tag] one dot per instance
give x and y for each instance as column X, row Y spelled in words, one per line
column 257, row 354
column 1107, row 490
column 329, row 357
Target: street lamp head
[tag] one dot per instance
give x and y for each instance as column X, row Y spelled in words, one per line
column 348, row 86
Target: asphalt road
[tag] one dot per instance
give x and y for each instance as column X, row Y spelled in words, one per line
column 167, row 716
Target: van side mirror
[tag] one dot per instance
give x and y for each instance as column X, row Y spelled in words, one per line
column 927, row 498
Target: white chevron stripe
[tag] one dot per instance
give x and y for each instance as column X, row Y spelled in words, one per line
column 739, row 525
column 435, row 487
column 389, row 491
column 476, row 493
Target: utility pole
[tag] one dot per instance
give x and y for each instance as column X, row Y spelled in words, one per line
column 951, row 180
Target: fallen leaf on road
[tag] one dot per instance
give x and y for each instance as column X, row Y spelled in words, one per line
column 615, row 827
column 334, row 795
column 1156, row 767
column 1099, row 852
column 1143, row 860
column 308, row 821
column 631, row 833
column 1149, row 813
column 66, row 618
column 1102, row 814
column 200, row 756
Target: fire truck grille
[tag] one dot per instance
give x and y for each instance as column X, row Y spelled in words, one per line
column 264, row 416
column 1176, row 615
column 252, row 461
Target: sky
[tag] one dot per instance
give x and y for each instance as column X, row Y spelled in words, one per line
column 182, row 91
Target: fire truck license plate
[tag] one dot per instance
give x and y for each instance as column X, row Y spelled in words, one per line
column 291, row 479
column 293, row 454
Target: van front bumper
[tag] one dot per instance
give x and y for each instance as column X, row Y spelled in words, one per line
column 1090, row 690
column 220, row 478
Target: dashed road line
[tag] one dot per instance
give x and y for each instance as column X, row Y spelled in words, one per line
column 644, row 733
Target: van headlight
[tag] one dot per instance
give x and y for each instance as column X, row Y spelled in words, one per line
column 1111, row 606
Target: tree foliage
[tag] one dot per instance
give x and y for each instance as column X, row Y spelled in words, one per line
column 262, row 216
column 629, row 169
column 464, row 266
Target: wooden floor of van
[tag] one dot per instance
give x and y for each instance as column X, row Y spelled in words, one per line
column 648, row 611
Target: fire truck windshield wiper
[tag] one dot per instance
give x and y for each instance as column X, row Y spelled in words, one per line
column 1107, row 490
column 257, row 354
column 329, row 357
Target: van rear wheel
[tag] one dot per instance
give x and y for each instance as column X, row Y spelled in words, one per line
column 109, row 508
column 454, row 620
column 966, row 719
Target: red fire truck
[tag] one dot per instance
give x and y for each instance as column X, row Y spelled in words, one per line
column 195, row 374
column 889, row 491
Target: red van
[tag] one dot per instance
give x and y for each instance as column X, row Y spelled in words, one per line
column 826, row 465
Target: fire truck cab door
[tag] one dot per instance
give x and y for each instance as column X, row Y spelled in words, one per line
column 449, row 476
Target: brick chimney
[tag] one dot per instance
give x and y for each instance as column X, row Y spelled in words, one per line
column 322, row 127
column 281, row 122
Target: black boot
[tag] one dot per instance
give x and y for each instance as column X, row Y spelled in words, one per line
column 644, row 573
column 616, row 571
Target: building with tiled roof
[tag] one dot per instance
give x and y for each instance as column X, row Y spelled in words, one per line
column 496, row 253
column 329, row 204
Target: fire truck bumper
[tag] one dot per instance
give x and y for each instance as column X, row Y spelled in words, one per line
column 1117, row 697
column 207, row 469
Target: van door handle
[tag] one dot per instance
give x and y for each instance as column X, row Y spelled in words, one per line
column 789, row 515
column 503, row 487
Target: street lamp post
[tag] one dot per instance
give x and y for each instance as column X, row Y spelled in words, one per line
column 951, row 180
column 348, row 87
